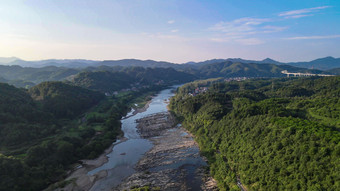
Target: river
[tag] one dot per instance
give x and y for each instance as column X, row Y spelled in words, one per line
column 125, row 155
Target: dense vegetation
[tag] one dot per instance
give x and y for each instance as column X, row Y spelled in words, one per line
column 335, row 71
column 45, row 130
column 63, row 100
column 35, row 75
column 238, row 69
column 49, row 127
column 123, row 78
column 275, row 134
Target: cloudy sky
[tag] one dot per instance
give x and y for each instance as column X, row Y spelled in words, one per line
column 170, row 30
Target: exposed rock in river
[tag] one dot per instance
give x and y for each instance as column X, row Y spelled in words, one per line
column 154, row 125
column 173, row 163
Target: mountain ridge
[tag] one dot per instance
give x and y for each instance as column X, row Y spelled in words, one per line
column 325, row 63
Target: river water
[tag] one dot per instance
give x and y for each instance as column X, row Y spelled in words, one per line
column 125, row 155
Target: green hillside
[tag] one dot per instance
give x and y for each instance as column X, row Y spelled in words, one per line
column 335, row 71
column 109, row 81
column 279, row 134
column 21, row 118
column 237, row 69
column 102, row 81
column 44, row 130
column 64, row 100
column 36, row 75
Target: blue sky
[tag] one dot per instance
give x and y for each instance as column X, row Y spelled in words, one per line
column 170, row 30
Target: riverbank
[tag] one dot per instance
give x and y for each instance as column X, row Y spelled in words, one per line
column 142, row 109
column 173, row 163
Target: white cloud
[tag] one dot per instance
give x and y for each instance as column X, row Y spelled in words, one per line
column 239, row 40
column 250, row 41
column 240, row 26
column 313, row 37
column 297, row 16
column 225, row 38
column 174, row 30
column 271, row 29
column 251, row 21
column 243, row 30
column 171, row 21
column 301, row 12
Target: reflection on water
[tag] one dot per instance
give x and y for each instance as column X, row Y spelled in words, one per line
column 126, row 154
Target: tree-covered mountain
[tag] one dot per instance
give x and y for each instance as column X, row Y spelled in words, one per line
column 240, row 60
column 64, row 100
column 27, row 115
column 67, row 63
column 319, row 64
column 102, row 80
column 236, row 69
column 132, row 77
column 276, row 134
column 21, row 118
column 335, row 71
column 36, row 75
column 44, row 130
column 3, row 80
column 139, row 63
column 326, row 63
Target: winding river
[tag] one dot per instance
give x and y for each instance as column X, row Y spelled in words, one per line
column 125, row 155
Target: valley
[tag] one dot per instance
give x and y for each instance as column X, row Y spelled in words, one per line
column 64, row 126
column 131, row 95
column 155, row 152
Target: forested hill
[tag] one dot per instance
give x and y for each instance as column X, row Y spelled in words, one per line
column 277, row 134
column 335, row 71
column 326, row 63
column 36, row 75
column 237, row 69
column 138, row 63
column 64, row 100
column 40, row 138
column 3, row 80
column 21, row 118
column 132, row 77
column 25, row 119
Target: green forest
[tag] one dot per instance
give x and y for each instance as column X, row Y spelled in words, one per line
column 122, row 78
column 46, row 130
column 270, row 134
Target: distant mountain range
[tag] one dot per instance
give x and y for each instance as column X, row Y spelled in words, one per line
column 69, row 63
column 326, row 63
column 29, row 76
column 240, row 60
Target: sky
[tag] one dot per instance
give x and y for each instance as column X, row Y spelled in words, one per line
column 170, row 30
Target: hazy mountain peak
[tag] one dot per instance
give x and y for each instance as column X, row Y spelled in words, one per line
column 6, row 60
column 328, row 58
column 270, row 61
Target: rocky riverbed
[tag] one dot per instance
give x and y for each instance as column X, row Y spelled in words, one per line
column 154, row 152
column 173, row 163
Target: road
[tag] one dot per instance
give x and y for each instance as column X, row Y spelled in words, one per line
column 239, row 184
